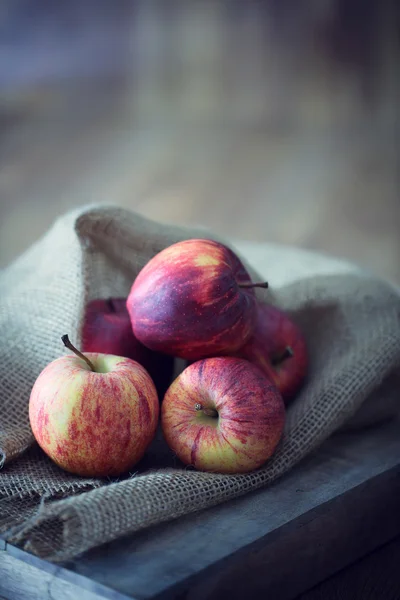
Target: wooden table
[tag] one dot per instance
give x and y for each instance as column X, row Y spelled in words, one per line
column 336, row 506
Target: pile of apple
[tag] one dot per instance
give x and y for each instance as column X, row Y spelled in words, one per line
column 95, row 412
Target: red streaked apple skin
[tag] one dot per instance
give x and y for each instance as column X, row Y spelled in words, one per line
column 250, row 421
column 94, row 423
column 107, row 329
column 274, row 331
column 187, row 302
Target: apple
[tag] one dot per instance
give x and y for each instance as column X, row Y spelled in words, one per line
column 223, row 415
column 278, row 347
column 94, row 414
column 107, row 329
column 193, row 299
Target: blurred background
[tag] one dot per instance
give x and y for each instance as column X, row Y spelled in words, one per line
column 273, row 120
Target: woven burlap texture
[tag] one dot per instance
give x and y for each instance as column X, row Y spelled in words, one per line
column 351, row 323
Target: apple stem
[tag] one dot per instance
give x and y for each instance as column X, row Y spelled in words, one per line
column 287, row 353
column 110, row 304
column 67, row 343
column 210, row 412
column 250, row 284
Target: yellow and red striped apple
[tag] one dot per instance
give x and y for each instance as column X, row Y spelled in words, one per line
column 223, row 415
column 278, row 347
column 94, row 415
column 107, row 329
column 192, row 300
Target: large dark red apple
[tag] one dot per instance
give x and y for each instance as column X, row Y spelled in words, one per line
column 278, row 347
column 107, row 329
column 192, row 300
column 223, row 415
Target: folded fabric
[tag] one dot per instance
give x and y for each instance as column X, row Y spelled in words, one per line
column 350, row 319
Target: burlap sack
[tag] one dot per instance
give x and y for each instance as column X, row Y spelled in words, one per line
column 352, row 326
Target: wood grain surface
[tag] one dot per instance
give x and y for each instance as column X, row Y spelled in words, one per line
column 375, row 577
column 25, row 582
column 265, row 121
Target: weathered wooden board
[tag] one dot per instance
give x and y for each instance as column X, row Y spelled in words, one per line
column 334, row 507
column 21, row 580
column 375, row 577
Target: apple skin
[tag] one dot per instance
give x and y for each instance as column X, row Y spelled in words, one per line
column 274, row 332
column 250, row 420
column 107, row 329
column 187, row 301
column 95, row 424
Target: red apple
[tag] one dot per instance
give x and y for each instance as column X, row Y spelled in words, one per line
column 194, row 299
column 278, row 347
column 94, row 415
column 223, row 415
column 107, row 329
